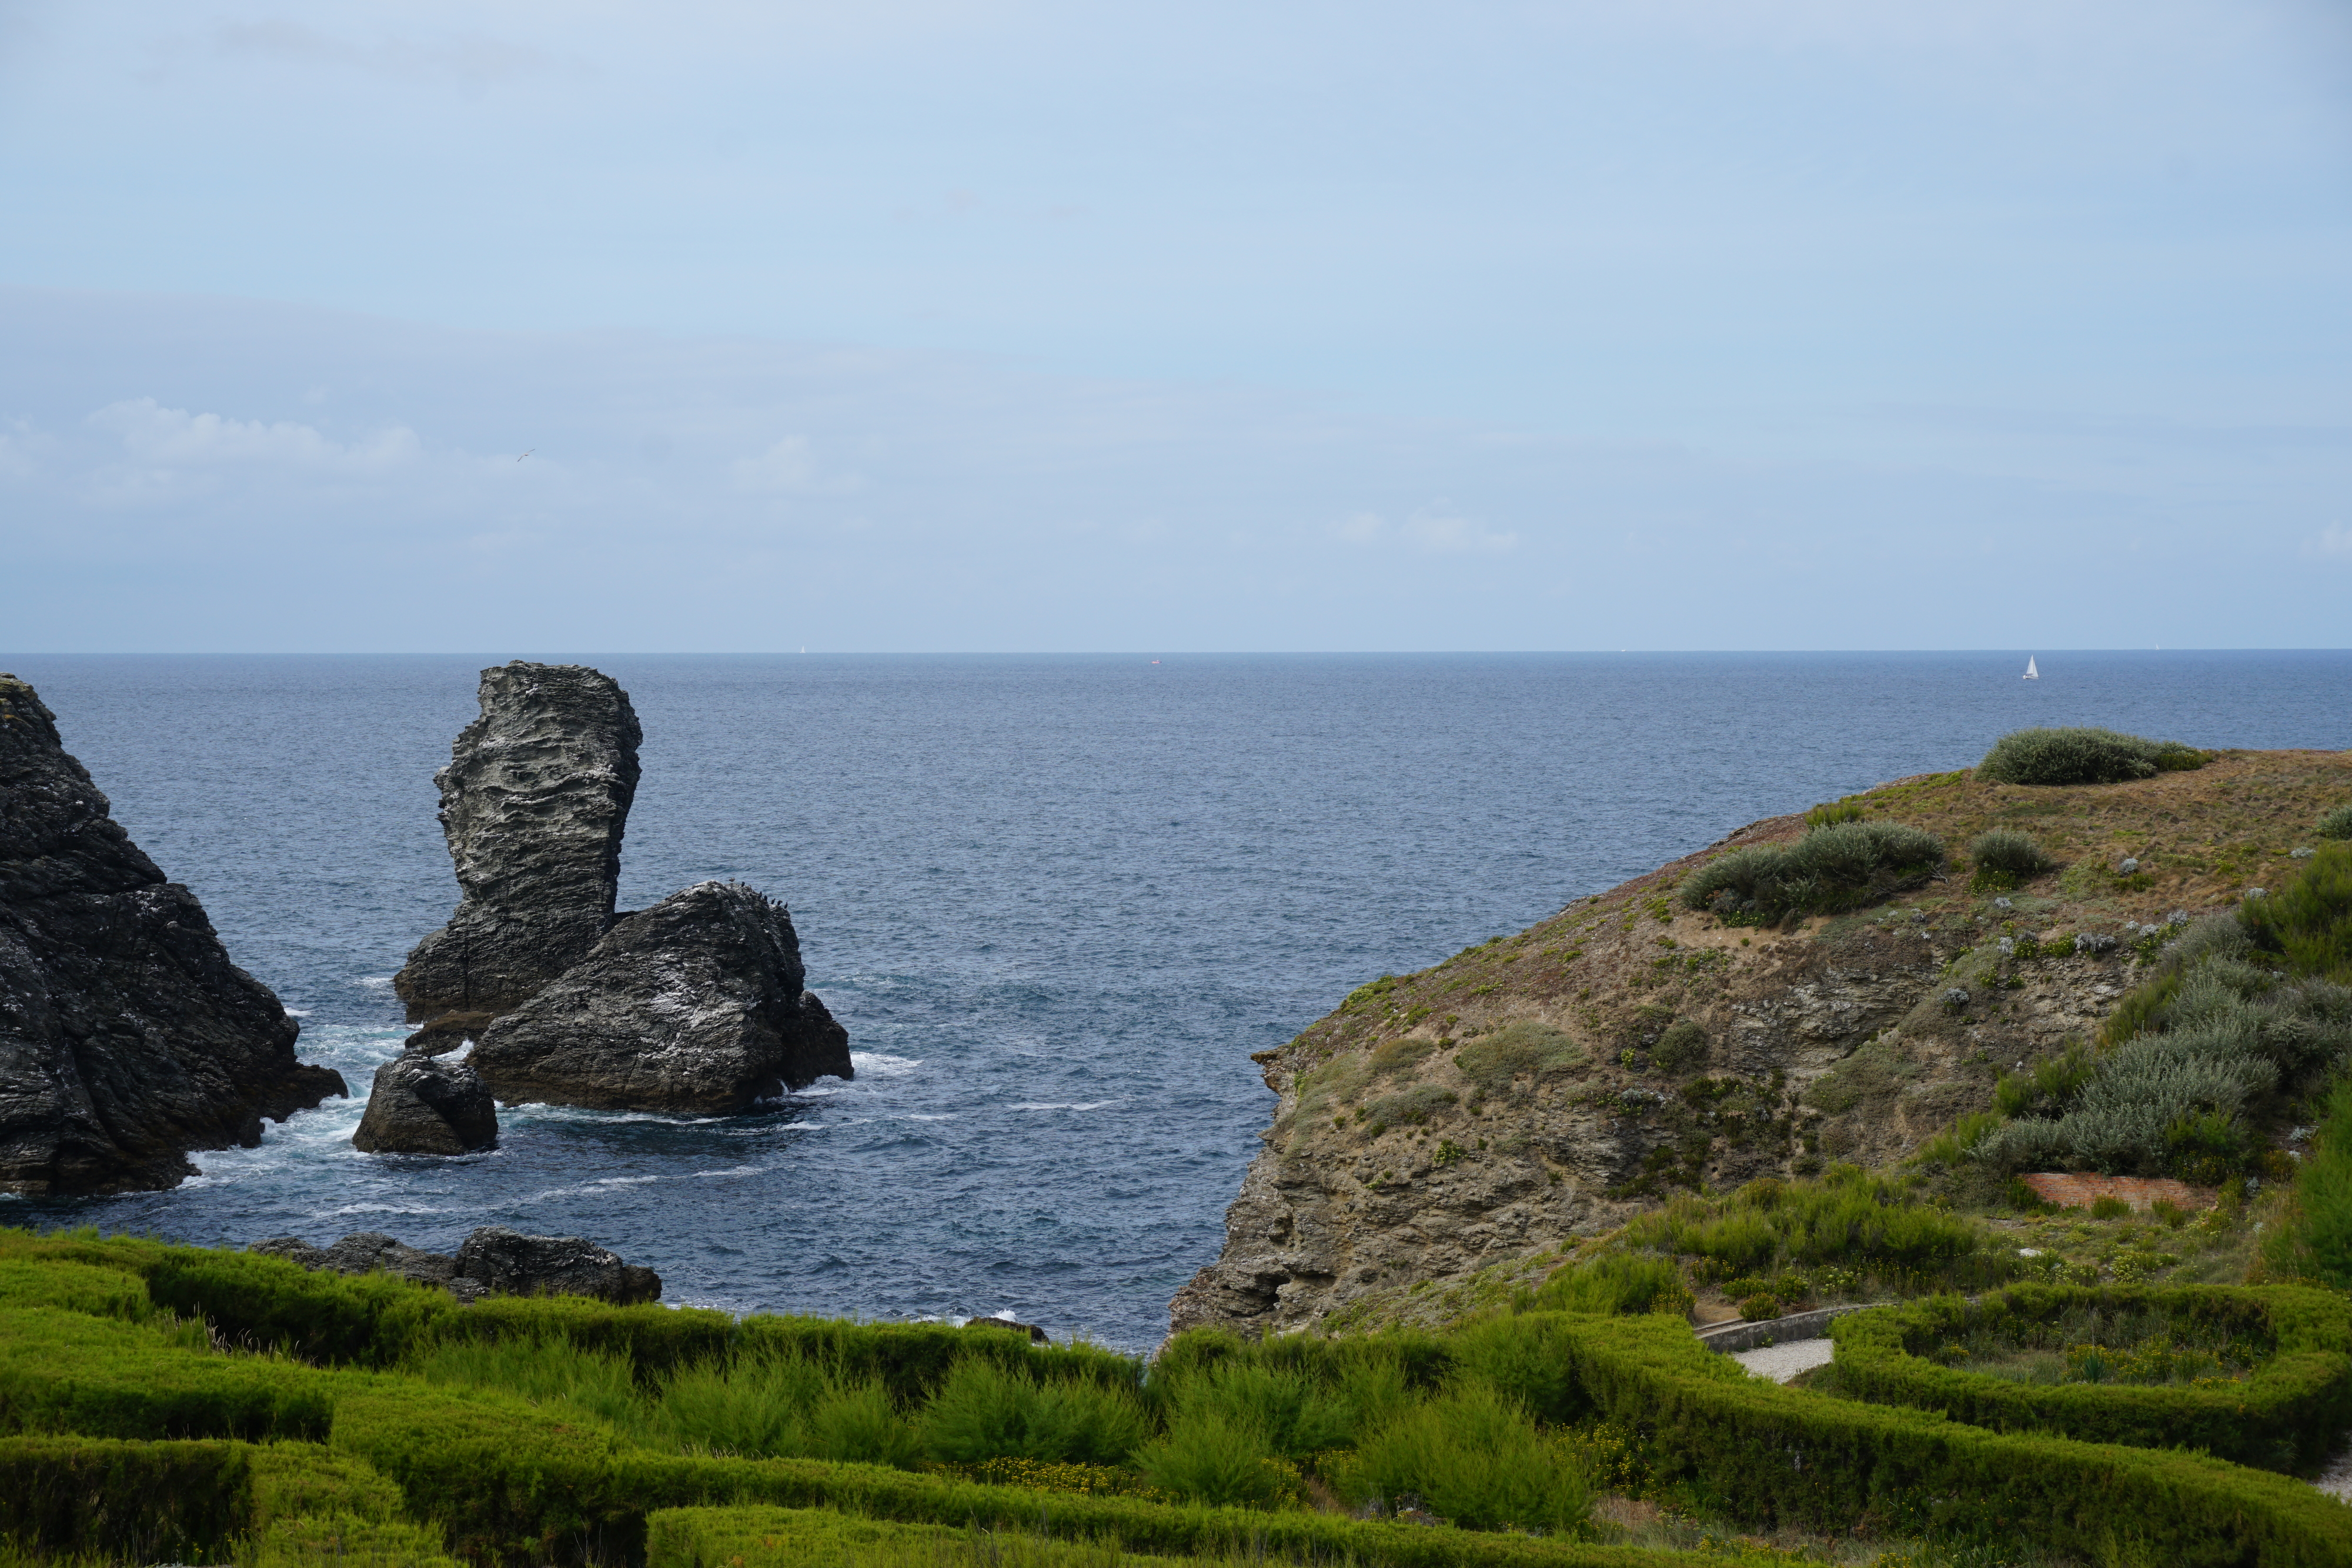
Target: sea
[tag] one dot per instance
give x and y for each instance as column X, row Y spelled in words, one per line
column 1057, row 900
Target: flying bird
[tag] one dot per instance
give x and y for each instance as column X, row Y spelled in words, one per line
column 526, row 454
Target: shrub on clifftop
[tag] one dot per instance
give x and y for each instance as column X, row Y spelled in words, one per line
column 2083, row 756
column 1832, row 868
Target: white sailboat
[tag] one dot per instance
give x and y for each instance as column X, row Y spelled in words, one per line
column 2031, row 672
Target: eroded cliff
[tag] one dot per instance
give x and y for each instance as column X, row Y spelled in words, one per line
column 127, row 1036
column 1554, row 1084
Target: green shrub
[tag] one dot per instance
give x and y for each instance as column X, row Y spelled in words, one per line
column 1845, row 1218
column 2082, row 756
column 2109, row 1209
column 2336, row 823
column 1524, row 1049
column 1681, row 1049
column 2286, row 1416
column 2309, row 921
column 1760, row 1308
column 1613, row 1283
column 1830, row 869
column 540, row 1370
column 1411, row 1107
column 1471, row 1456
column 1210, row 1457
column 2214, row 1035
column 1830, row 815
column 985, row 1409
column 2011, row 854
column 2316, row 1241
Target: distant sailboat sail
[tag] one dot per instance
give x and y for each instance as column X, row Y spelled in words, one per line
column 2031, row 672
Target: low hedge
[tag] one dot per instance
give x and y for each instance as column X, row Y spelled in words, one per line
column 1759, row 1451
column 512, row 1482
column 283, row 1503
column 2285, row 1416
column 104, row 1377
column 772, row 1537
column 124, row 1501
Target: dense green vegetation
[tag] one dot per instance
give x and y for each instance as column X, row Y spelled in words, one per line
column 2241, row 1017
column 2263, row 1375
column 2083, row 756
column 171, row 1403
column 1838, row 865
column 2335, row 823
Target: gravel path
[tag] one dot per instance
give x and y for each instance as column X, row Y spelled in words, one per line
column 1784, row 1360
column 2335, row 1481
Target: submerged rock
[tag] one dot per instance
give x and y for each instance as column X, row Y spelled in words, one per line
column 534, row 803
column 127, row 1036
column 419, row 1106
column 695, row 1004
column 492, row 1260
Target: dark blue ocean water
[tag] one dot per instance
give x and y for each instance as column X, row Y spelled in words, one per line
column 1057, row 900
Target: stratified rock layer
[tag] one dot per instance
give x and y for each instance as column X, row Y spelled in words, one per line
column 695, row 1004
column 127, row 1038
column 534, row 803
column 419, row 1106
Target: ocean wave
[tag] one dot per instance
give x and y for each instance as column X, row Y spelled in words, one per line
column 1066, row 1105
column 882, row 1064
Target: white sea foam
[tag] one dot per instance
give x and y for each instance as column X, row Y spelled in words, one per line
column 1064, row 1105
column 374, row 982
column 882, row 1064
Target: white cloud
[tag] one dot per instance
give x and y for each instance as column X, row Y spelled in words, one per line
column 2332, row 543
column 159, row 438
column 471, row 58
column 786, row 466
column 1437, row 529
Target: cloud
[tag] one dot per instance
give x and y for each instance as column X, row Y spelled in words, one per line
column 470, row 59
column 1437, row 529
column 2332, row 543
column 159, row 436
column 786, row 467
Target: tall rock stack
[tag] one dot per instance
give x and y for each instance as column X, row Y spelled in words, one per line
column 127, row 1036
column 533, row 802
column 696, row 1005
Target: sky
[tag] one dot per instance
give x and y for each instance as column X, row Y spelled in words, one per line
column 938, row 325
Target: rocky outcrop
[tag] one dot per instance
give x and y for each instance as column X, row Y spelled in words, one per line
column 514, row 1264
column 534, row 801
column 493, row 1260
column 1539, row 1088
column 127, row 1036
column 420, row 1105
column 695, row 1004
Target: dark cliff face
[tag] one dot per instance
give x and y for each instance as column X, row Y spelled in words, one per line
column 127, row 1038
column 694, row 1004
column 534, row 803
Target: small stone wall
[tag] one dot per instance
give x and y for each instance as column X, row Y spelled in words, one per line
column 2074, row 1191
column 1728, row 1338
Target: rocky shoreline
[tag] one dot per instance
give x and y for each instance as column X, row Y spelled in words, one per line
column 128, row 1038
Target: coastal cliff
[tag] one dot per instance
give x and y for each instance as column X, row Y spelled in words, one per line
column 1556, row 1083
column 127, row 1036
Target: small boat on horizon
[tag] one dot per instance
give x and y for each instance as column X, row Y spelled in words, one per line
column 2031, row 672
